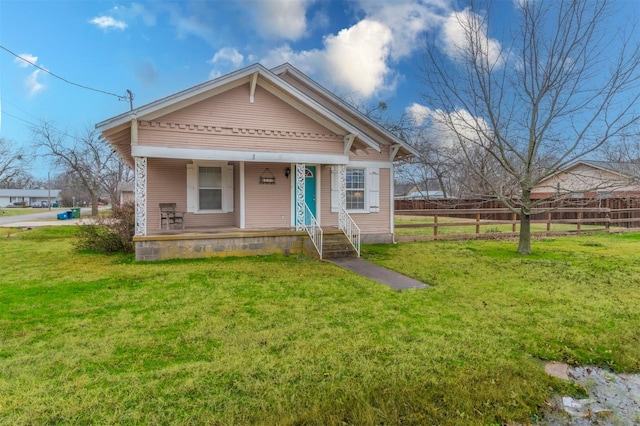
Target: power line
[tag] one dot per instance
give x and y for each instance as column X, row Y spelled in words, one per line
column 128, row 97
column 54, row 129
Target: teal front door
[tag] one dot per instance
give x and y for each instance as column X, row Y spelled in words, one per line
column 310, row 191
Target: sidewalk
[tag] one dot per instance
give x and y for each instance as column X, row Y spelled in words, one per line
column 378, row 273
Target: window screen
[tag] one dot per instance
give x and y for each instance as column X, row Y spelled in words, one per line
column 210, row 188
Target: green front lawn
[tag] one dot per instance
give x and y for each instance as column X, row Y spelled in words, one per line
column 287, row 340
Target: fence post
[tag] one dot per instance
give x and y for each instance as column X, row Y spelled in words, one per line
column 607, row 222
column 579, row 220
column 514, row 218
column 435, row 225
column 477, row 223
column 549, row 221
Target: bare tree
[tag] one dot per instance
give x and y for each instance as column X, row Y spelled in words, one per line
column 11, row 163
column 564, row 86
column 86, row 158
column 434, row 163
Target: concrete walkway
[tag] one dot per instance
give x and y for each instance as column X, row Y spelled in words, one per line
column 378, row 273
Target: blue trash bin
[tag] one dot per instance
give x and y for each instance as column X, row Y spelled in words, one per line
column 62, row 216
column 69, row 214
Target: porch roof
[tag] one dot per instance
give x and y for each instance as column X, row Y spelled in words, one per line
column 228, row 155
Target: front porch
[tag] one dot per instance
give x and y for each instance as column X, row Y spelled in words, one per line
column 262, row 208
column 193, row 243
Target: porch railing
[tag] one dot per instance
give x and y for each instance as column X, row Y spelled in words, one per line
column 312, row 227
column 350, row 229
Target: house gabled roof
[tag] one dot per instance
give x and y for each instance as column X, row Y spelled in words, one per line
column 623, row 169
column 256, row 74
column 287, row 68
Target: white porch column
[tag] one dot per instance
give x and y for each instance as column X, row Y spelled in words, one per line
column 300, row 177
column 342, row 195
column 242, row 200
column 141, row 195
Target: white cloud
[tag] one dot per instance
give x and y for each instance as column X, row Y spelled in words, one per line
column 24, row 58
column 450, row 130
column 107, row 22
column 228, row 55
column 225, row 60
column 418, row 113
column 407, row 20
column 354, row 60
column 357, row 57
column 281, row 19
column 306, row 60
column 361, row 59
column 31, row 81
column 134, row 11
column 33, row 84
column 461, row 29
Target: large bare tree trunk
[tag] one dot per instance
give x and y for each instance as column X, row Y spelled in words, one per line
column 524, row 244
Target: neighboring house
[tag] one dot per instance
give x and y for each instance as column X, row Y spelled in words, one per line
column 410, row 191
column 27, row 197
column 591, row 179
column 125, row 193
column 260, row 161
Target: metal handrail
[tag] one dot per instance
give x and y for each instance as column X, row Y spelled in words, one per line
column 313, row 229
column 347, row 225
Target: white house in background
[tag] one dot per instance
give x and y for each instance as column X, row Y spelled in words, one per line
column 27, row 197
column 410, row 191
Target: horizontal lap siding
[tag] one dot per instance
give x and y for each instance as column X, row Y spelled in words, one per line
column 354, row 118
column 328, row 219
column 155, row 136
column 232, row 110
column 267, row 205
column 167, row 183
column 372, row 223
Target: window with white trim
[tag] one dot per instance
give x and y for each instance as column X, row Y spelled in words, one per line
column 210, row 187
column 362, row 188
column 355, row 189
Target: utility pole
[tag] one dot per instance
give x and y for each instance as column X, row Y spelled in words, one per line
column 130, row 95
column 49, row 187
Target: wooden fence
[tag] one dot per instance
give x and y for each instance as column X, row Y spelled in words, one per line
column 471, row 203
column 581, row 219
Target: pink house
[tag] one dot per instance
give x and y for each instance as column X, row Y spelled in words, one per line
column 257, row 161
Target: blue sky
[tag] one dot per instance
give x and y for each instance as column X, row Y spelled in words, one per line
column 368, row 49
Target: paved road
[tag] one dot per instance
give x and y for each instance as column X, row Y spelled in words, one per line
column 38, row 217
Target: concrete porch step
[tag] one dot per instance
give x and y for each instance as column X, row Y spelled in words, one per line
column 336, row 245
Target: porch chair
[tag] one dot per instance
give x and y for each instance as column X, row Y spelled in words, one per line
column 170, row 216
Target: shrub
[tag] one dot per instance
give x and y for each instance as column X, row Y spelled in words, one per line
column 110, row 234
